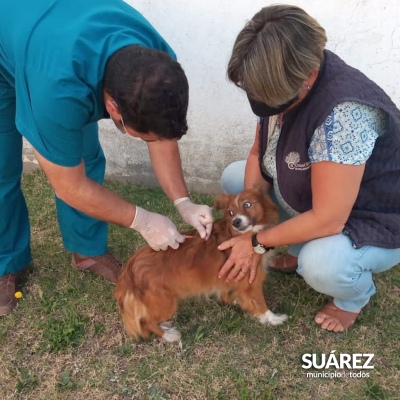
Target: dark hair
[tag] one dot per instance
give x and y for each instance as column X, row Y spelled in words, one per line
column 150, row 89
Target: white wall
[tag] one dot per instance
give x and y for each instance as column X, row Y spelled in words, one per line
column 365, row 33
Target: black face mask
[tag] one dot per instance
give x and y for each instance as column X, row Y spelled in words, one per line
column 263, row 110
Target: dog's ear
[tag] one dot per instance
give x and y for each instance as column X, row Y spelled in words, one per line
column 262, row 192
column 258, row 188
column 221, row 201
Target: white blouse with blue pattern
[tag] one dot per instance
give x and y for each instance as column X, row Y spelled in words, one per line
column 348, row 135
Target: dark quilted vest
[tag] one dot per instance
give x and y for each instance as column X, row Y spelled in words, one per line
column 375, row 218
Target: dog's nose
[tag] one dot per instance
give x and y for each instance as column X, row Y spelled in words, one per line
column 236, row 222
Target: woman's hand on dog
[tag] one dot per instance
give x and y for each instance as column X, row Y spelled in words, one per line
column 241, row 261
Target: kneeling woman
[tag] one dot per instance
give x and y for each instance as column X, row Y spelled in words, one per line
column 327, row 143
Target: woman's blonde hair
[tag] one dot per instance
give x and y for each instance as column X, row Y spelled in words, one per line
column 275, row 53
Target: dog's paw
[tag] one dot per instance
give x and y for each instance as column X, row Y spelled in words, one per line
column 166, row 325
column 171, row 334
column 272, row 319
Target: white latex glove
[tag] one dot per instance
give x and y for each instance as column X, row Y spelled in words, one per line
column 199, row 216
column 158, row 231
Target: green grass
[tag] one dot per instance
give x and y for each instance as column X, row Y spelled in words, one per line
column 65, row 340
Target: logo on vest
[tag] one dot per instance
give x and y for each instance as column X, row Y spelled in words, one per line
column 293, row 162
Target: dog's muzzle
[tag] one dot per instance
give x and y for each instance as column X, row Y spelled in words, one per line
column 241, row 223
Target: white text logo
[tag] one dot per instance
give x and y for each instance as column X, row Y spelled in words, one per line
column 337, row 361
column 293, row 162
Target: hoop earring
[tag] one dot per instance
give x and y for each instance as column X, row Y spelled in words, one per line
column 123, row 125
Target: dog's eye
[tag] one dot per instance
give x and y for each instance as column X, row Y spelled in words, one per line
column 230, row 212
column 247, row 204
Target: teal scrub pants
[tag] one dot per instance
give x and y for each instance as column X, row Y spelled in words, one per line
column 80, row 233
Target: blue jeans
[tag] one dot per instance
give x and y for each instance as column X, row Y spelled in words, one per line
column 330, row 265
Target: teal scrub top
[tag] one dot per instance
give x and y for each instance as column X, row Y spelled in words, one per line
column 54, row 53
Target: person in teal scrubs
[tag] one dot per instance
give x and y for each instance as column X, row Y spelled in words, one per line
column 64, row 65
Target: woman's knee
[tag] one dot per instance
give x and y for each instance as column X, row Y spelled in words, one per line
column 232, row 178
column 319, row 268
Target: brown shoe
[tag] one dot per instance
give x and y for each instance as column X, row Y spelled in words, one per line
column 106, row 265
column 286, row 264
column 7, row 293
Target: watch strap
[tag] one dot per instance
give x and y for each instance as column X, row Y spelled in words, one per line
column 256, row 243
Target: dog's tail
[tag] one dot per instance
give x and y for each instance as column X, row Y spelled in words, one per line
column 133, row 312
column 132, row 309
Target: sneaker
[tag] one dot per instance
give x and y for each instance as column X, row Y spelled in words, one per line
column 106, row 265
column 8, row 300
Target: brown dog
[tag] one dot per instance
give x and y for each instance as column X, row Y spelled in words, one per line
column 151, row 282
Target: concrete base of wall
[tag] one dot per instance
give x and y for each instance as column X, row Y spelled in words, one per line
column 147, row 180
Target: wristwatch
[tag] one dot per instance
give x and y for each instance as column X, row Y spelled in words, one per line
column 258, row 247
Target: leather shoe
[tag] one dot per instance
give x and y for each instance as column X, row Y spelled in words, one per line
column 106, row 265
column 8, row 300
column 286, row 264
